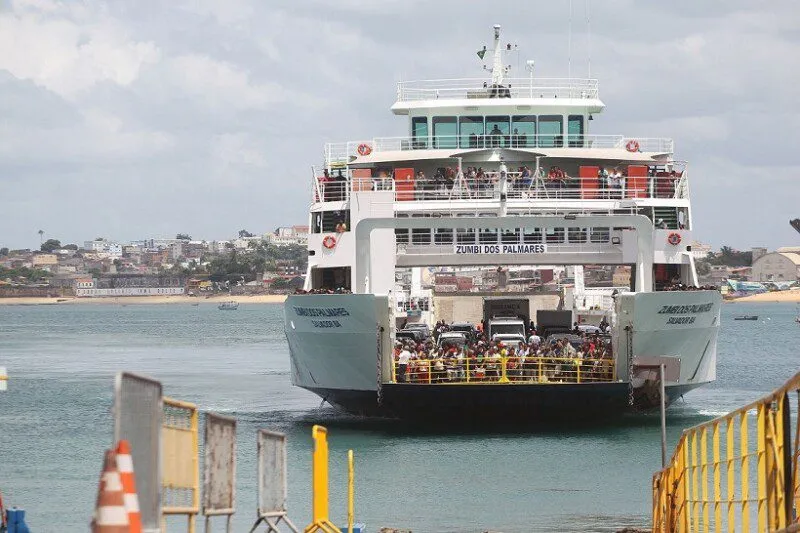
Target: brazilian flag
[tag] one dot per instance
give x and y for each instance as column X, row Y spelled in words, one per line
column 482, row 53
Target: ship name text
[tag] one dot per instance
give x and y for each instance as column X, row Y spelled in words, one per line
column 500, row 248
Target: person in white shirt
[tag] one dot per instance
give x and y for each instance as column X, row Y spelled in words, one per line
column 402, row 364
column 534, row 340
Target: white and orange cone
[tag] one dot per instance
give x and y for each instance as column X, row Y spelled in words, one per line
column 110, row 515
column 125, row 467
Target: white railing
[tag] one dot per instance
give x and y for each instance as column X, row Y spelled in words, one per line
column 477, row 88
column 517, row 187
column 338, row 154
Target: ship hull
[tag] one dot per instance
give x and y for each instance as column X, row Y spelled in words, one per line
column 334, row 339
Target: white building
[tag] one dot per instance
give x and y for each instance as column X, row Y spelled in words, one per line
column 109, row 248
column 700, row 250
column 287, row 235
column 781, row 265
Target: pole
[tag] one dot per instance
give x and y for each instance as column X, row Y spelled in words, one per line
column 661, row 373
column 350, row 491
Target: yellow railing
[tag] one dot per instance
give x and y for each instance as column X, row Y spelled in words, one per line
column 505, row 370
column 749, row 480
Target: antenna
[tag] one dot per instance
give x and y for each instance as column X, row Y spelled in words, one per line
column 569, row 43
column 589, row 38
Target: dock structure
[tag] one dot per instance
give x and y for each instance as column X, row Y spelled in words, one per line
column 737, row 472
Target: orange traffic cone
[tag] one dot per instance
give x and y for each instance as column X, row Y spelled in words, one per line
column 125, row 467
column 110, row 515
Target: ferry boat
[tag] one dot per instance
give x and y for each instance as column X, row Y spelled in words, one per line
column 500, row 171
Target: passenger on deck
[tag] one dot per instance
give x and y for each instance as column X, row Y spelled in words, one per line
column 403, row 359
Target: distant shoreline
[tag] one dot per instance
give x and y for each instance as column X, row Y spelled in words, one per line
column 140, row 300
column 790, row 296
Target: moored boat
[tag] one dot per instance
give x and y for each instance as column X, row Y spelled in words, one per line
column 228, row 306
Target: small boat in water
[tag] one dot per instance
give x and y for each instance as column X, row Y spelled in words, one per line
column 746, row 317
column 228, row 306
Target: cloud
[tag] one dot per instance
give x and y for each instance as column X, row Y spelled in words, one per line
column 138, row 119
column 67, row 56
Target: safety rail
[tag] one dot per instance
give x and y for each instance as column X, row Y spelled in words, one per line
column 750, row 482
column 516, row 187
column 473, row 88
column 504, row 370
column 337, row 155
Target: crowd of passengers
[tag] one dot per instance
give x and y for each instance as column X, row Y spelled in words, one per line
column 554, row 181
column 482, row 360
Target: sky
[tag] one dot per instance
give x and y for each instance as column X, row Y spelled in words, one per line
column 138, row 119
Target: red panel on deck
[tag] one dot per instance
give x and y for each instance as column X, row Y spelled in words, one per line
column 362, row 179
column 404, row 183
column 636, row 184
column 590, row 183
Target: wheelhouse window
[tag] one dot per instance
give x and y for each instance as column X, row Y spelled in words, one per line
column 510, row 236
column 550, row 131
column 532, row 235
column 465, row 236
column 419, row 132
column 487, row 236
column 443, row 236
column 576, row 235
column 445, row 132
column 554, row 236
column 599, row 235
column 471, row 132
column 575, row 131
column 498, row 130
column 523, row 131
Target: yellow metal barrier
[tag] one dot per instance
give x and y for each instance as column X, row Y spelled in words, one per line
column 351, row 512
column 752, row 471
column 180, row 470
column 319, row 477
column 505, row 370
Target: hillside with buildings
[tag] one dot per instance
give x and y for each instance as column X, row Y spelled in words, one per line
column 272, row 262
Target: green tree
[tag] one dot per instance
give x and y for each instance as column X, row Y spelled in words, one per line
column 3, row 252
column 73, row 247
column 50, row 244
column 95, row 272
column 183, row 237
column 244, row 233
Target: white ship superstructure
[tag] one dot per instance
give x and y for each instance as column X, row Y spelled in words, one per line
column 498, row 171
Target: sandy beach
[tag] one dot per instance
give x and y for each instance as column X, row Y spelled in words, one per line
column 138, row 300
column 790, row 296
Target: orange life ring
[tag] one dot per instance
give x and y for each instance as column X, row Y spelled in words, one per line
column 674, row 239
column 329, row 242
column 632, row 146
column 364, row 149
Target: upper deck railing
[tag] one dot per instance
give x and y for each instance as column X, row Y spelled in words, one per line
column 480, row 88
column 343, row 152
column 662, row 185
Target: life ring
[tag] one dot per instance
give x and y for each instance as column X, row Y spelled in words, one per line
column 632, row 146
column 329, row 242
column 364, row 149
column 674, row 239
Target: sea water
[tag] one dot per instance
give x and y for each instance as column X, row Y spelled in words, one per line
column 55, row 422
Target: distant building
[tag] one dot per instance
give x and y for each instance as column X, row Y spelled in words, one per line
column 132, row 285
column 287, row 235
column 102, row 246
column 622, row 276
column 781, row 265
column 40, row 260
column 700, row 250
column 758, row 252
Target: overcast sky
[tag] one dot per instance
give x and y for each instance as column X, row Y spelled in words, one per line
column 137, row 119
